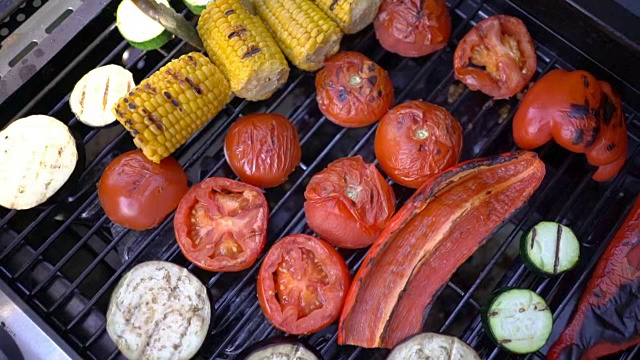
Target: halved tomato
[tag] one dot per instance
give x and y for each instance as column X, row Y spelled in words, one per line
column 221, row 224
column 302, row 284
column 496, row 57
column 348, row 203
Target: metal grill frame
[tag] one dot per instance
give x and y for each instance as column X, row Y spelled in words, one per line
column 238, row 320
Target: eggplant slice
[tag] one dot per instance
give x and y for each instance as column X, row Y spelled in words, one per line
column 434, row 347
column 280, row 349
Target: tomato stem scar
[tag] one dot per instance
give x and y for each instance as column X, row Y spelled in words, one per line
column 355, row 80
column 422, row 134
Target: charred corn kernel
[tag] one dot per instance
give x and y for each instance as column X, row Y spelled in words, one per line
column 351, row 15
column 166, row 109
column 241, row 45
column 305, row 34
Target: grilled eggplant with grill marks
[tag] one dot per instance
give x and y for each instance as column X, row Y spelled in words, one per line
column 433, row 346
column 37, row 156
column 158, row 310
column 278, row 349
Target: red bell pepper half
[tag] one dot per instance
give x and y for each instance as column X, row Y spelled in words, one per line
column 607, row 319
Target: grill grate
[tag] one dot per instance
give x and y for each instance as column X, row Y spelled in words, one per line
column 65, row 259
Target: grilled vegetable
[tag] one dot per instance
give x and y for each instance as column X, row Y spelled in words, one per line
column 37, row 156
column 279, row 349
column 550, row 248
column 580, row 113
column 167, row 108
column 197, row 6
column 158, row 310
column 413, row 28
column 496, row 57
column 140, row 30
column 606, row 319
column 351, row 15
column 303, row 32
column 440, row 227
column 94, row 96
column 433, row 346
column 137, row 193
column 240, row 44
column 518, row 320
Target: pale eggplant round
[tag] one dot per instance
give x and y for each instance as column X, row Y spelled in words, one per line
column 159, row 310
column 279, row 348
column 433, row 346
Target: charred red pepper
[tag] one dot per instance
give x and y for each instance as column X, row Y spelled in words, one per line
column 439, row 227
column 580, row 113
column 606, row 320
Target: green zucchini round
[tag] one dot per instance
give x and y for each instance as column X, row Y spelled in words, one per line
column 550, row 248
column 138, row 29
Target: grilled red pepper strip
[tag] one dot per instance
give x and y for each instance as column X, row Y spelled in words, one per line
column 580, row 113
column 439, row 227
column 606, row 320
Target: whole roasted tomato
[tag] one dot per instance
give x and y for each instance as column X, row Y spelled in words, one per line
column 262, row 149
column 496, row 57
column 413, row 28
column 415, row 140
column 352, row 90
column 302, row 284
column 348, row 203
column 581, row 113
column 221, row 224
column 137, row 193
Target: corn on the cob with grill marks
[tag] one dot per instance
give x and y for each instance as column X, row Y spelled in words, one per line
column 241, row 45
column 351, row 15
column 305, row 34
column 166, row 109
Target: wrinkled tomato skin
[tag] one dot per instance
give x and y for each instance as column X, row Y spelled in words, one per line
column 263, row 149
column 502, row 51
column 348, row 203
column 137, row 193
column 415, row 140
column 310, row 279
column 579, row 112
column 352, row 90
column 413, row 28
column 221, row 224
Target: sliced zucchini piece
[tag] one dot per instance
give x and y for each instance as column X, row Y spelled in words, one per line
column 550, row 248
column 140, row 30
column 434, row 347
column 196, row 6
column 94, row 96
column 37, row 156
column 159, row 310
column 518, row 320
column 278, row 349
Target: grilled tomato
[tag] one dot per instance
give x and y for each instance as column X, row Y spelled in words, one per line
column 413, row 28
column 137, row 193
column 221, row 224
column 262, row 149
column 581, row 113
column 415, row 140
column 302, row 284
column 348, row 203
column 496, row 57
column 352, row 90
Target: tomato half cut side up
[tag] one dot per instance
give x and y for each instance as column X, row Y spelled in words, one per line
column 302, row 284
column 496, row 56
column 221, row 224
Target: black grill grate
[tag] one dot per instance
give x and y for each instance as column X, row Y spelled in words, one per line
column 66, row 258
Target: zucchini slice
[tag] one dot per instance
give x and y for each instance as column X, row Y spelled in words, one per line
column 159, row 310
column 196, row 6
column 140, row 30
column 433, row 346
column 550, row 248
column 518, row 320
column 94, row 96
column 38, row 154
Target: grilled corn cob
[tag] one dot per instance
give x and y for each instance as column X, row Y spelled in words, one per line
column 351, row 15
column 166, row 109
column 305, row 34
column 240, row 44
